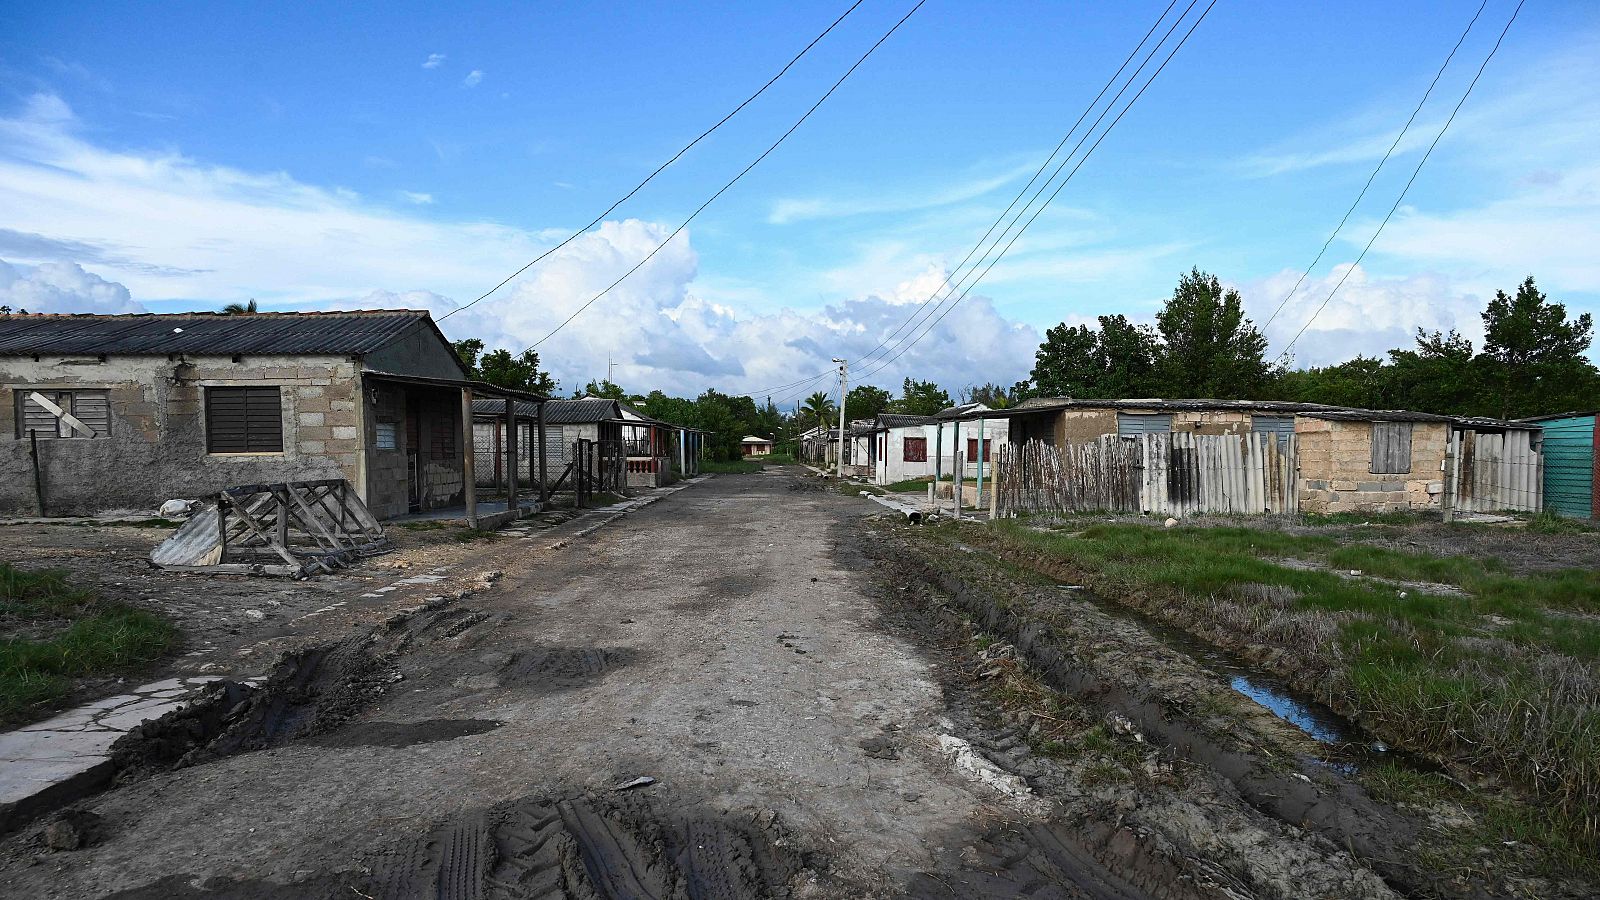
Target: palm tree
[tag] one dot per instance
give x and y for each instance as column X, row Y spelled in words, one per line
column 819, row 406
column 240, row 309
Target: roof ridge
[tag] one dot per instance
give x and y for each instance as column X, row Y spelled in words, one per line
column 209, row 314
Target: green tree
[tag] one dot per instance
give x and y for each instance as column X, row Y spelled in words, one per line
column 1125, row 358
column 1363, row 382
column 865, row 401
column 1064, row 365
column 921, row 398
column 1534, row 354
column 991, row 395
column 1440, row 376
column 1209, row 348
column 500, row 368
column 818, row 409
column 602, row 388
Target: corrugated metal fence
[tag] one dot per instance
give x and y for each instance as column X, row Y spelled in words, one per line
column 1494, row 472
column 1174, row 474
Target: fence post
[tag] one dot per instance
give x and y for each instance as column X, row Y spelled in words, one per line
column 1446, row 505
column 955, row 488
column 994, row 489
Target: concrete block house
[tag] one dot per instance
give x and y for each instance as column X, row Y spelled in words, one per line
column 1347, row 459
column 103, row 413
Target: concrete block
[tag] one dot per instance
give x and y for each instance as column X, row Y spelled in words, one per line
column 1435, row 487
column 310, row 418
column 313, row 447
column 313, row 433
column 342, row 405
column 1344, row 485
column 310, row 392
column 1316, row 485
column 345, row 433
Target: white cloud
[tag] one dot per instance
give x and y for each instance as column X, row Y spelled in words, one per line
column 1368, row 316
column 473, row 79
column 434, row 61
column 799, row 209
column 62, row 288
column 417, row 197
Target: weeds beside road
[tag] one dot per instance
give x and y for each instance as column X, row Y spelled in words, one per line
column 1452, row 656
column 54, row 631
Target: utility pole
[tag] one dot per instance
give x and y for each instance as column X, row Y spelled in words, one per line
column 844, row 391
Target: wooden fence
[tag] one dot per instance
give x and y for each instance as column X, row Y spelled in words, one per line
column 1494, row 472
column 1176, row 474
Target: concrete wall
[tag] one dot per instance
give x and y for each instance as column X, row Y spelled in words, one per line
column 156, row 448
column 1211, row 421
column 417, row 351
column 1335, row 468
column 1082, row 426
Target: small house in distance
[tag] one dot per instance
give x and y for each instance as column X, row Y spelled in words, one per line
column 755, row 446
column 126, row 411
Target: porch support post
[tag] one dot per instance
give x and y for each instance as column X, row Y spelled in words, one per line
column 544, row 473
column 469, row 475
column 978, row 492
column 511, row 457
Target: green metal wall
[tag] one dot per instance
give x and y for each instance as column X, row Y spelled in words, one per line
column 1569, row 466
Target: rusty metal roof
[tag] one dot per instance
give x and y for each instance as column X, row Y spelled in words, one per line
column 203, row 334
column 1041, row 405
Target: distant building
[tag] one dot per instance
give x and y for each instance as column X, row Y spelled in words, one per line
column 755, row 446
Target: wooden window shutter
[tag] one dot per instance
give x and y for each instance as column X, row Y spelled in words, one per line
column 916, row 449
column 90, row 409
column 244, row 420
column 1391, row 448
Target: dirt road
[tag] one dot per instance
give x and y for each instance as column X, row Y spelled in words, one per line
column 729, row 643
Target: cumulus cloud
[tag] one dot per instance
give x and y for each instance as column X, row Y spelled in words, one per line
column 62, row 288
column 1368, row 316
column 434, row 61
column 473, row 79
column 417, row 197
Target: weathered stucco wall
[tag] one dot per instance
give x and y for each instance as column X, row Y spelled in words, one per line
column 416, row 352
column 1336, row 461
column 156, row 448
column 1079, row 426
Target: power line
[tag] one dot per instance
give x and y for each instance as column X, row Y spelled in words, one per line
column 1023, row 192
column 1370, row 178
column 735, row 180
column 659, row 169
column 1007, row 249
column 1057, row 191
column 1414, row 173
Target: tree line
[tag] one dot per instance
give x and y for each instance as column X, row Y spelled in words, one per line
column 1202, row 345
column 1532, row 360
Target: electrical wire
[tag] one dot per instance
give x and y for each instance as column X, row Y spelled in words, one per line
column 1021, row 193
column 661, row 168
column 1370, row 178
column 735, row 180
column 1053, row 195
column 1414, row 173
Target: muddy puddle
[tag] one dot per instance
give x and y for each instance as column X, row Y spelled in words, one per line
column 1352, row 746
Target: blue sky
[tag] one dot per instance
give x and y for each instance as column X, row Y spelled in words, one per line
column 180, row 156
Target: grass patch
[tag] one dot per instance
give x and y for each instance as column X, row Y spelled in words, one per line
column 1550, row 523
column 469, row 535
column 1394, row 517
column 56, row 632
column 1504, row 678
column 910, row 485
column 732, row 466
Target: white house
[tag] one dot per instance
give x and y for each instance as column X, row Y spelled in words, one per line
column 907, row 447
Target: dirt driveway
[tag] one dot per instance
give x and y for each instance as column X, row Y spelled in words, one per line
column 725, row 642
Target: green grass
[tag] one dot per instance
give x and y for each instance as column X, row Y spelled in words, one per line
column 1502, row 678
column 732, row 466
column 909, row 486
column 57, row 632
column 1550, row 523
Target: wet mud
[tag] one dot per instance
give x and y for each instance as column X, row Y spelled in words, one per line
column 592, row 846
column 403, row 734
column 1297, row 791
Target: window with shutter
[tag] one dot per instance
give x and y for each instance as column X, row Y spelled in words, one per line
column 244, row 420
column 916, row 449
column 61, row 415
column 1131, row 425
column 972, row 449
column 1391, row 448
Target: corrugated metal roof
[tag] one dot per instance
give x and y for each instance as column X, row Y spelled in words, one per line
column 580, row 411
column 1312, row 410
column 896, row 420
column 204, row 333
